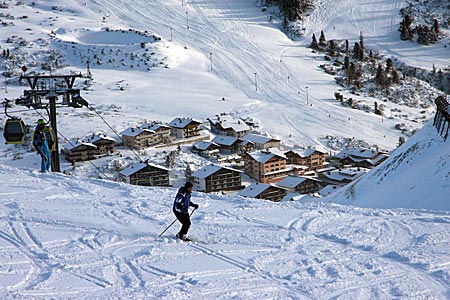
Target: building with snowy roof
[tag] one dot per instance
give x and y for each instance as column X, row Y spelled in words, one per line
column 264, row 191
column 266, row 166
column 89, row 148
column 313, row 158
column 360, row 157
column 216, row 178
column 301, row 184
column 104, row 143
column 341, row 177
column 78, row 150
column 329, row 189
column 137, row 138
column 161, row 132
column 232, row 145
column 146, row 174
column 226, row 125
column 183, row 128
column 205, row 149
column 262, row 142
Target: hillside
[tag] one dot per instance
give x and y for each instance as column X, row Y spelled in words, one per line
column 415, row 176
column 77, row 237
column 67, row 237
column 172, row 77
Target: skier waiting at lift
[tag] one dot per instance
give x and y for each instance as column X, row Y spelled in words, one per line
column 41, row 145
column 181, row 209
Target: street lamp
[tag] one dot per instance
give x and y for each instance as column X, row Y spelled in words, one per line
column 187, row 20
column 307, row 95
column 210, row 59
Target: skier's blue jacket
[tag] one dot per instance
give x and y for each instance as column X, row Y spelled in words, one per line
column 41, row 145
column 182, row 201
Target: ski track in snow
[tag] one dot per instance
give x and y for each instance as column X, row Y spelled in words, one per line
column 247, row 248
column 71, row 238
column 251, row 248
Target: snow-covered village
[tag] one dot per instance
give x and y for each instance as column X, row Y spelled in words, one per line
column 238, row 149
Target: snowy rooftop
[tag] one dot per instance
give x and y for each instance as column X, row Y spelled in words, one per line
column 202, row 145
column 183, row 122
column 291, row 196
column 75, row 144
column 97, row 137
column 264, row 156
column 132, row 131
column 210, row 170
column 139, row 166
column 259, row 139
column 373, row 161
column 329, row 189
column 293, row 181
column 347, row 173
column 254, row 190
column 154, row 126
column 357, row 152
column 308, row 152
column 225, row 140
column 227, row 122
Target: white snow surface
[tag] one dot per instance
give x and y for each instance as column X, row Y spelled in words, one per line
column 65, row 237
column 416, row 175
column 240, row 41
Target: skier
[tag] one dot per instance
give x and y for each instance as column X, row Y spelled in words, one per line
column 181, row 207
column 41, row 145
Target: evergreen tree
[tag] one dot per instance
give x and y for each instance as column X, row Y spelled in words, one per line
column 436, row 26
column 350, row 73
column 379, row 77
column 322, row 40
column 376, row 108
column 389, row 65
column 346, row 63
column 423, row 35
column 395, row 77
column 358, row 52
column 347, row 47
column 406, row 33
column 332, row 48
column 361, row 43
column 314, row 44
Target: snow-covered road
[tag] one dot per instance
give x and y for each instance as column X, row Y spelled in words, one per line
column 70, row 238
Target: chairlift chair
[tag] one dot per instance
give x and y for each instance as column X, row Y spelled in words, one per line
column 14, row 131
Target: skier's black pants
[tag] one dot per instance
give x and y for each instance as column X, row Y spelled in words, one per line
column 185, row 220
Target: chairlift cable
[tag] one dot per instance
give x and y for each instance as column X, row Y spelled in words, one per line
column 103, row 119
column 59, row 133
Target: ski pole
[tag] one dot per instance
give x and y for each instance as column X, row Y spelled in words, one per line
column 174, row 223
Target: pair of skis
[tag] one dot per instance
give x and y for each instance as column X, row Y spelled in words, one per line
column 186, row 239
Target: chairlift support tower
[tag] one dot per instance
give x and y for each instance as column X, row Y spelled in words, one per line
column 43, row 88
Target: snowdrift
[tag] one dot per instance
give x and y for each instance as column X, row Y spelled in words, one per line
column 417, row 175
column 65, row 237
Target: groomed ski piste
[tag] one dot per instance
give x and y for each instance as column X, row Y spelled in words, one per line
column 68, row 237
column 65, row 237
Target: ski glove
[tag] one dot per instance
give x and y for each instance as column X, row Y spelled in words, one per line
column 195, row 206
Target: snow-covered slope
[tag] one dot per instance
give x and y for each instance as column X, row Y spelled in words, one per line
column 66, row 237
column 294, row 100
column 417, row 175
column 379, row 22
